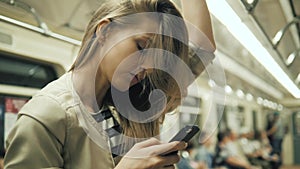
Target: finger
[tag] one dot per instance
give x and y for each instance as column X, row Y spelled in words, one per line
column 177, row 147
column 163, row 161
column 147, row 143
column 181, row 146
column 161, row 148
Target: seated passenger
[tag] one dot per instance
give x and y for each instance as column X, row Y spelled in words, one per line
column 252, row 150
column 202, row 154
column 266, row 150
column 186, row 161
column 226, row 157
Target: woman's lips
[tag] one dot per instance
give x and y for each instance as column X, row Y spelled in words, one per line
column 135, row 79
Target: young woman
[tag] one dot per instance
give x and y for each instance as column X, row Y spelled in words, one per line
column 98, row 115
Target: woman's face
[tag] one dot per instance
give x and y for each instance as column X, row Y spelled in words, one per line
column 126, row 61
column 125, row 64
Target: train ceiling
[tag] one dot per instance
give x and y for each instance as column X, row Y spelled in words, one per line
column 265, row 18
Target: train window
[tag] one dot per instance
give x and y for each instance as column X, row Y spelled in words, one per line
column 9, row 108
column 21, row 72
column 190, row 112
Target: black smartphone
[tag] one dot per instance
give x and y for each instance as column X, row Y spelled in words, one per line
column 186, row 133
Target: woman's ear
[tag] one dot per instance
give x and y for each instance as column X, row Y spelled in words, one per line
column 102, row 24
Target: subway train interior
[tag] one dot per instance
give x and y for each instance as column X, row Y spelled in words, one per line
column 253, row 81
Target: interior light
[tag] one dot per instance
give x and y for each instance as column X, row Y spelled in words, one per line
column 270, row 104
column 211, row 83
column 225, row 14
column 228, row 89
column 249, row 97
column 185, row 154
column 259, row 100
column 290, row 59
column 265, row 102
column 250, row 1
column 297, row 81
column 279, row 107
column 274, row 106
column 240, row 93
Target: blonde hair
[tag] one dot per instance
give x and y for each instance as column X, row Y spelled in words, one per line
column 1, row 163
column 114, row 11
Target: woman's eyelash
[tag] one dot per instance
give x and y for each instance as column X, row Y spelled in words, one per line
column 139, row 47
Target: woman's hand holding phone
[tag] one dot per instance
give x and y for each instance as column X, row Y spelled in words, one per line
column 152, row 153
column 185, row 134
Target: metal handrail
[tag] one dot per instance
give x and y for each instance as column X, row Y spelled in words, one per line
column 31, row 10
column 277, row 38
column 42, row 28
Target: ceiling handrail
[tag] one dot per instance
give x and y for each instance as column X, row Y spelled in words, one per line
column 279, row 35
column 42, row 26
column 31, row 10
column 39, row 30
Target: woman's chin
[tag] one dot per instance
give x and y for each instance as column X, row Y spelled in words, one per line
column 122, row 86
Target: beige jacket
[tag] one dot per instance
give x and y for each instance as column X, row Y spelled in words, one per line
column 48, row 134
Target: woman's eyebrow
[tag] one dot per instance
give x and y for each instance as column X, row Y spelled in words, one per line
column 147, row 36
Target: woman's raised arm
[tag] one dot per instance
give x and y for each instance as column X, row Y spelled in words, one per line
column 196, row 13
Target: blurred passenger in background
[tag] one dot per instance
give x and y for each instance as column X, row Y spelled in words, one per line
column 226, row 157
column 202, row 153
column 270, row 123
column 252, row 149
column 277, row 131
column 266, row 150
column 186, row 161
